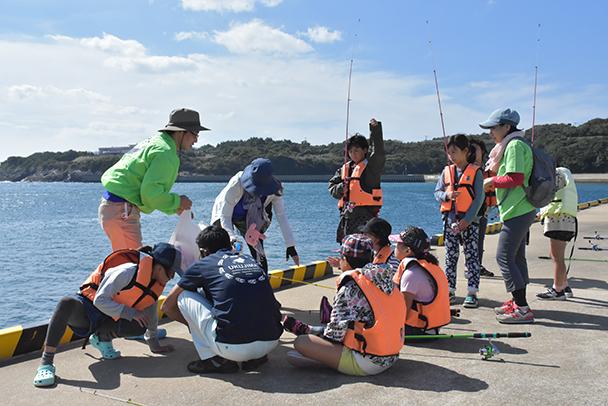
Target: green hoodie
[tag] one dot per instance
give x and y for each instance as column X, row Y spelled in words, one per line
column 145, row 175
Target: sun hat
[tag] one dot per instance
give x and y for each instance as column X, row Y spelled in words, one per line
column 257, row 178
column 501, row 116
column 168, row 256
column 357, row 246
column 184, row 120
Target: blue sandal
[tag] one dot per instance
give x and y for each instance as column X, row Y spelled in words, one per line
column 45, row 376
column 105, row 347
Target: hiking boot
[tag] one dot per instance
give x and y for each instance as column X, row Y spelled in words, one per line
column 551, row 294
column 253, row 364
column 505, row 308
column 484, row 272
column 568, row 292
column 215, row 364
column 471, row 302
column 295, row 326
column 452, row 298
column 105, row 347
column 517, row 316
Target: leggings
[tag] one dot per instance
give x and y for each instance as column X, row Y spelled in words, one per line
column 468, row 239
column 511, row 251
column 72, row 312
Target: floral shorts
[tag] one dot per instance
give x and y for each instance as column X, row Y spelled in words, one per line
column 560, row 227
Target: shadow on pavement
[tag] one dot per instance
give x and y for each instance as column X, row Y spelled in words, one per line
column 575, row 283
column 570, row 320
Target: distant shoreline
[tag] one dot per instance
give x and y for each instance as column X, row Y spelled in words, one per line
column 390, row 178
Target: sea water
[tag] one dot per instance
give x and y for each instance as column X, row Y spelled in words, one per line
column 50, row 237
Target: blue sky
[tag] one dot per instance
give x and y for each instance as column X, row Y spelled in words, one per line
column 85, row 74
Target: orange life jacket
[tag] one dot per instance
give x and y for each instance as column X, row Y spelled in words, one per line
column 435, row 313
column 354, row 193
column 383, row 255
column 491, row 195
column 465, row 186
column 385, row 336
column 140, row 293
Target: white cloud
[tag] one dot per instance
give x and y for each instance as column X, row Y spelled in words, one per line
column 108, row 43
column 322, row 35
column 235, row 6
column 188, row 35
column 257, row 37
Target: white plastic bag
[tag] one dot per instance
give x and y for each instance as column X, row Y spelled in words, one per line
column 184, row 239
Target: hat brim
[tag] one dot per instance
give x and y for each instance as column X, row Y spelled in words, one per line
column 395, row 238
column 486, row 125
column 267, row 188
column 191, row 129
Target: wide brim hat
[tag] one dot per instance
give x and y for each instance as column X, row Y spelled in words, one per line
column 257, row 178
column 184, row 120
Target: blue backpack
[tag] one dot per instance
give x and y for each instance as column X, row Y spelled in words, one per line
column 542, row 184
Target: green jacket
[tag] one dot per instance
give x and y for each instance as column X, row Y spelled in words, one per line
column 145, row 175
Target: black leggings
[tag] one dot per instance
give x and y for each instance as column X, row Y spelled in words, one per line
column 71, row 312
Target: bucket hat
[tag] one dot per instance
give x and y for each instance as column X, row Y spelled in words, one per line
column 357, row 246
column 501, row 116
column 257, row 178
column 184, row 120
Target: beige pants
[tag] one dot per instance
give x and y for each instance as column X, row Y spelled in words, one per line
column 120, row 222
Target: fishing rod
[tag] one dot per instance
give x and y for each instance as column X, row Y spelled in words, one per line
column 535, row 82
column 487, row 352
column 579, row 259
column 103, row 395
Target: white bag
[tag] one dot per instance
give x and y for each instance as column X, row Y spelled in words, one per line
column 184, row 239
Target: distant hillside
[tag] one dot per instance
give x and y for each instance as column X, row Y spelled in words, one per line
column 584, row 149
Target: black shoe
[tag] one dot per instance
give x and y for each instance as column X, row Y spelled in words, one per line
column 216, row 364
column 484, row 272
column 253, row 364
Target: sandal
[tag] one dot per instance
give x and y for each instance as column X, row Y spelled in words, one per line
column 253, row 364
column 214, row 364
column 105, row 347
column 45, row 376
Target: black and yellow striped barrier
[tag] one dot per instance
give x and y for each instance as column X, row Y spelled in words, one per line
column 20, row 340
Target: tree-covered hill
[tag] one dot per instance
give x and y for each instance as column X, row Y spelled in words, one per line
column 584, row 149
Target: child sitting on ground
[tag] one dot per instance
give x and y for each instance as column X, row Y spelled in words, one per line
column 365, row 332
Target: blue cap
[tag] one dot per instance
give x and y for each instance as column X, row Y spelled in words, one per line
column 257, row 178
column 168, row 256
column 501, row 116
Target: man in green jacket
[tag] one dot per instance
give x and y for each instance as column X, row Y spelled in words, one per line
column 142, row 180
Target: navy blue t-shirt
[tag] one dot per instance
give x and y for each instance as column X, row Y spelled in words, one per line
column 243, row 303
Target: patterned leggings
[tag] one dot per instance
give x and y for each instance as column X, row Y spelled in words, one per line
column 469, row 238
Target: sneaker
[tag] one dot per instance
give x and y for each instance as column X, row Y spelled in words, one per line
column 568, row 291
column 452, row 298
column 517, row 316
column 253, row 364
column 105, row 347
column 295, row 326
column 471, row 302
column 505, row 308
column 484, row 272
column 215, row 364
column 551, row 294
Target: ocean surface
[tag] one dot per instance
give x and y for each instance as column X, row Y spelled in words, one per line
column 50, row 238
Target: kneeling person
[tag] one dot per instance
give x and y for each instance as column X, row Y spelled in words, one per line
column 227, row 302
column 422, row 282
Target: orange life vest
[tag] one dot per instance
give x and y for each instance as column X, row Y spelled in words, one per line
column 140, row 293
column 435, row 313
column 385, row 336
column 354, row 193
column 383, row 255
column 465, row 186
column 491, row 195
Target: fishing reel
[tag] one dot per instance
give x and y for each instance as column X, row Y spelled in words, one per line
column 489, row 351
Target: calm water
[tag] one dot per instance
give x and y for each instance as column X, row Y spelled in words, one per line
column 50, row 239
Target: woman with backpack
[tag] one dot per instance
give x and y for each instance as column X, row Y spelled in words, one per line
column 510, row 163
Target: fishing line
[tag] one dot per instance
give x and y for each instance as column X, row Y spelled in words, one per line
column 102, row 395
column 535, row 82
column 579, row 259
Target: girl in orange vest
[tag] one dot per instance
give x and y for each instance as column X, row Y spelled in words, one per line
column 365, row 333
column 107, row 316
column 460, row 192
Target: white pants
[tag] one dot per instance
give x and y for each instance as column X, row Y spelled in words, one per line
column 197, row 312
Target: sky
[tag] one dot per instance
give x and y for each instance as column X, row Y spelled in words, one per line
column 84, row 74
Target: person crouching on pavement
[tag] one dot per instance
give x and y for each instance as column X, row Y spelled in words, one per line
column 365, row 333
column 227, row 302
